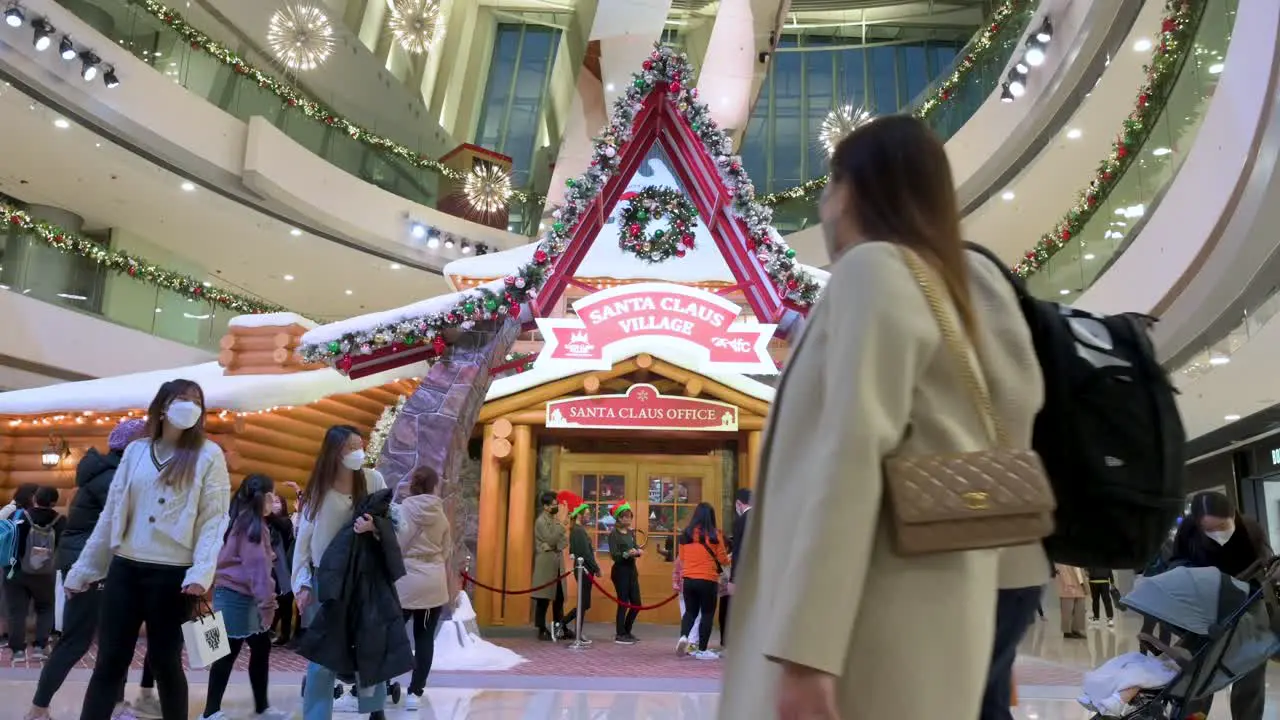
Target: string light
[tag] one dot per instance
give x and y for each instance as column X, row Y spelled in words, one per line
column 300, row 35
column 416, row 24
column 839, row 123
column 488, row 188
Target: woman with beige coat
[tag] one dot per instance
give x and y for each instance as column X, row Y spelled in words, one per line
column 1073, row 588
column 829, row 621
column 426, row 541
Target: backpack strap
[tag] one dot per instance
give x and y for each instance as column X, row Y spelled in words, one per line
column 1019, row 285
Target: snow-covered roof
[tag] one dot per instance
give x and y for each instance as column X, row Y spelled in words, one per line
column 280, row 319
column 243, row 393
column 669, row 350
column 362, row 323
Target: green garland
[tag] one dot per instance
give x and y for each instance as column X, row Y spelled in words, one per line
column 294, row 99
column 135, row 267
column 655, row 203
column 938, row 97
column 1177, row 31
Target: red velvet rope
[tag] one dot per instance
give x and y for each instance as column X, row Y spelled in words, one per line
column 629, row 606
column 500, row 591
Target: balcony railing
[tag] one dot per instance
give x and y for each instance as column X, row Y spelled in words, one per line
column 1119, row 217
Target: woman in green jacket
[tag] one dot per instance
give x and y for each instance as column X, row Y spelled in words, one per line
column 549, row 541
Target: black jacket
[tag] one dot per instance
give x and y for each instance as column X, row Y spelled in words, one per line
column 93, row 481
column 739, row 542
column 359, row 629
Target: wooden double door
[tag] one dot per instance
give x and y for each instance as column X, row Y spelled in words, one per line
column 663, row 490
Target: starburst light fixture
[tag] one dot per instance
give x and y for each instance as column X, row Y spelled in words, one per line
column 300, row 35
column 487, row 188
column 841, row 121
column 416, row 24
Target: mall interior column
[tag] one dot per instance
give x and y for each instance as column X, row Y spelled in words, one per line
column 522, row 509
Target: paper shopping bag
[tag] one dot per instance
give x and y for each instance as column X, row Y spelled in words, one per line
column 59, row 601
column 206, row 639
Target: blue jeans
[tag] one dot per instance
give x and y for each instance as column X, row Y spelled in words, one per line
column 317, row 695
column 317, row 698
column 1015, row 611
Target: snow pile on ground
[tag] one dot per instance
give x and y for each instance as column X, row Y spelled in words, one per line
column 460, row 647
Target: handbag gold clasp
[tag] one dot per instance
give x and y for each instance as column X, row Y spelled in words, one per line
column 976, row 500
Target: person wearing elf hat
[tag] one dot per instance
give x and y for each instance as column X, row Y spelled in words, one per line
column 580, row 547
column 549, row 541
column 626, row 578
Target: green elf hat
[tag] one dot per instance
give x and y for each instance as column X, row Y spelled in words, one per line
column 618, row 508
column 572, row 501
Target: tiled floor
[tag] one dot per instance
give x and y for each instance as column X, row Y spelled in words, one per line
column 611, row 682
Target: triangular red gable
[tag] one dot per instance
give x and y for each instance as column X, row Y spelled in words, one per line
column 659, row 122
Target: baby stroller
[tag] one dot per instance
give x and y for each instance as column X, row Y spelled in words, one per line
column 1223, row 630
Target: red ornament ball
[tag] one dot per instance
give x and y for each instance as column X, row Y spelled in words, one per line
column 1122, row 151
column 679, row 252
column 438, row 345
column 675, row 86
column 540, row 256
column 647, row 64
column 1066, row 235
column 687, row 240
column 513, row 309
column 344, row 363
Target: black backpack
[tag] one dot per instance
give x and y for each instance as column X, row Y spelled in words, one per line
column 1109, row 433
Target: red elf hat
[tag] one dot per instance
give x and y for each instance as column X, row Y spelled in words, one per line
column 618, row 508
column 572, row 501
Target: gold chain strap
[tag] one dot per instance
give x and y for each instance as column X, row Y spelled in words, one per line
column 956, row 346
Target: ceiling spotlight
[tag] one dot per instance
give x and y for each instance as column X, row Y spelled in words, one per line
column 1161, row 151
column 188, row 187
column 14, row 15
column 288, row 278
column 1007, row 195
column 433, row 242
column 418, row 231
column 349, row 292
column 295, row 232
column 1064, row 291
column 448, row 244
column 1021, row 67
column 1006, row 95
column 89, row 65
column 482, row 249
column 395, row 266
column 1231, row 418
column 61, row 124
column 1045, row 33
column 1089, row 256
column 1074, row 134
column 1219, row 360
column 109, row 79
column 1216, row 68
column 1017, row 88
column 67, row 49
column 1034, row 56
column 466, row 248
column 1142, row 45
column 42, row 36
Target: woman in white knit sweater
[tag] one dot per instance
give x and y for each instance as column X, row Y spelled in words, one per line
column 156, row 544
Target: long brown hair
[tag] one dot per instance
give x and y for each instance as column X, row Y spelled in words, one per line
column 901, row 190
column 181, row 469
column 325, row 472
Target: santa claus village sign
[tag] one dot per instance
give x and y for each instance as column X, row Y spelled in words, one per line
column 615, row 323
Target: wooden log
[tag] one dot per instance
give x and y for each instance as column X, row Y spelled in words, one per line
column 242, row 343
column 292, row 329
column 319, row 418
column 36, row 443
column 501, row 448
column 501, row 428
column 591, row 385
column 353, row 414
column 289, row 426
column 542, row 393
column 276, row 455
column 750, row 422
column 722, row 392
column 693, row 387
column 383, row 395
column 272, row 369
column 60, row 478
column 644, row 361
column 256, row 358
column 63, row 428
column 6, row 442
column 258, row 435
column 279, row 473
column 362, row 403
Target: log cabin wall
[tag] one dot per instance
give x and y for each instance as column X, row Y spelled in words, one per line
column 281, row 443
column 263, row 350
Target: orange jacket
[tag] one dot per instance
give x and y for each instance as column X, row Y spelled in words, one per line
column 698, row 563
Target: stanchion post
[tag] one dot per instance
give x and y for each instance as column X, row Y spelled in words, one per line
column 579, row 571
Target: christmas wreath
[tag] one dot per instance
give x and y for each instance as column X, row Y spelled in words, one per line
column 656, row 203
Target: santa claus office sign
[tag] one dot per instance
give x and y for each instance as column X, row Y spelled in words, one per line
column 614, row 323
column 642, row 408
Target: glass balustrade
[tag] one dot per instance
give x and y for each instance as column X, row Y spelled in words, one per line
column 966, row 97
column 153, row 42
column 31, row 268
column 1120, row 217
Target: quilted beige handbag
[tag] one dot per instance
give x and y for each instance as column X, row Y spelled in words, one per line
column 965, row 501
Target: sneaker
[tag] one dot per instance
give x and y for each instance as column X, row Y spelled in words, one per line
column 19, row 656
column 1111, row 622
column 624, row 640
column 705, row 654
column 348, row 703
column 147, row 706
column 563, row 632
column 412, row 700
column 584, row 640
column 217, row 716
column 123, row 711
column 633, row 638
column 272, row 714
column 682, row 646
column 545, row 635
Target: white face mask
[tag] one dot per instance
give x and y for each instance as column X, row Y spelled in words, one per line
column 353, row 460
column 183, row 414
column 1222, row 536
